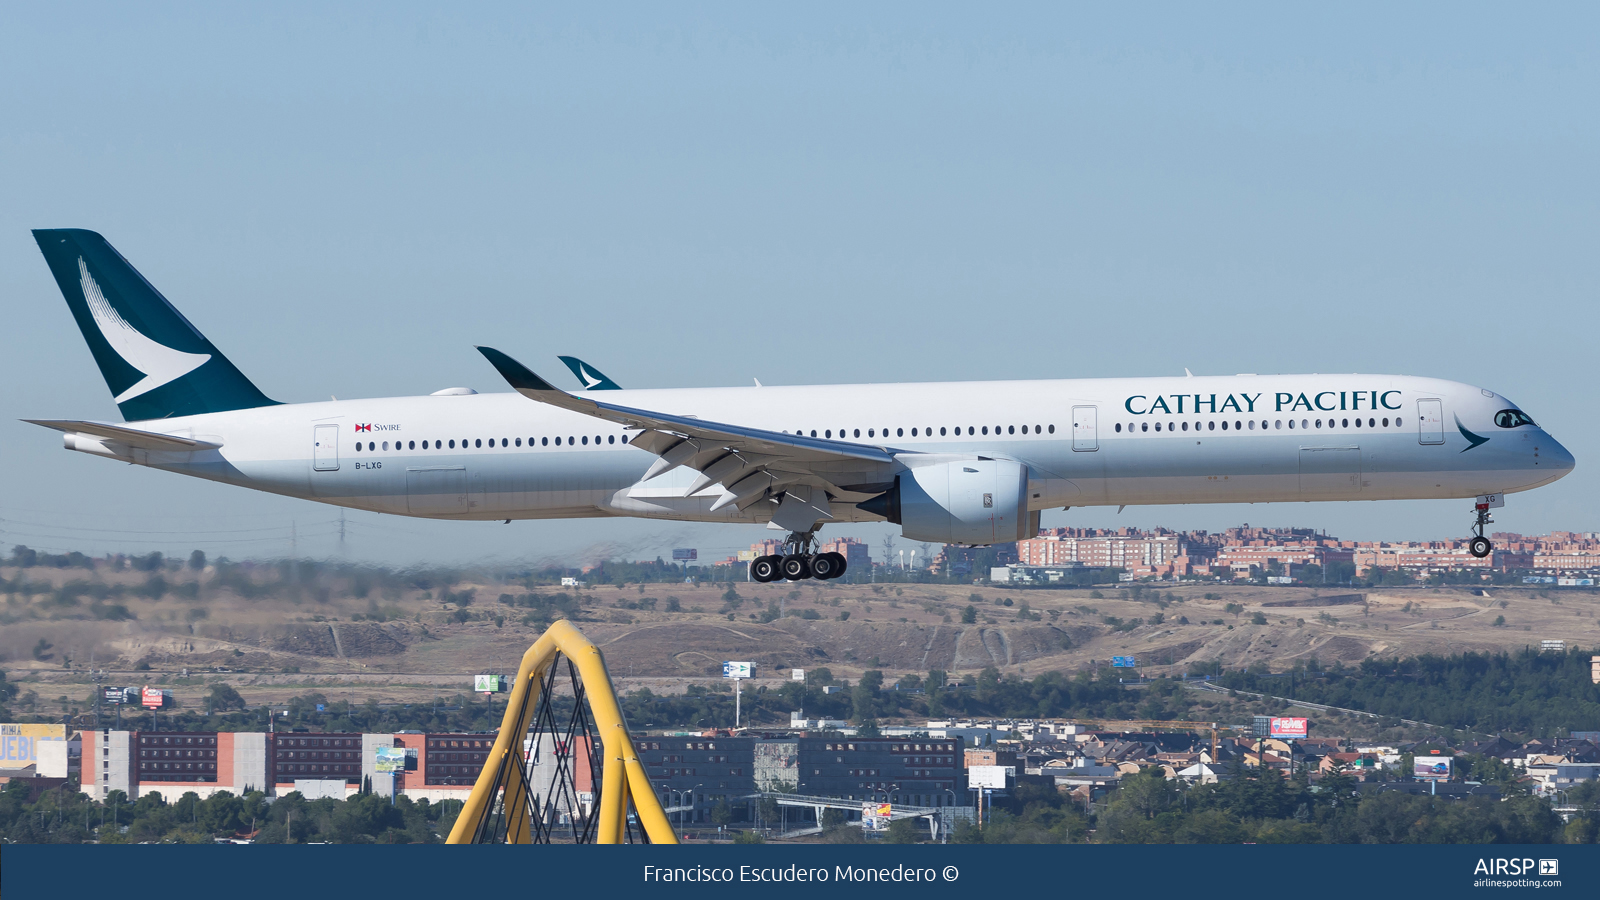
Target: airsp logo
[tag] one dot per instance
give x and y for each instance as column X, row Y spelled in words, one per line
column 1502, row 866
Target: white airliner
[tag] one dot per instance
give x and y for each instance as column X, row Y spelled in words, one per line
column 963, row 462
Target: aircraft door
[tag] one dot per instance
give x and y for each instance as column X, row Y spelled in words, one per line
column 325, row 448
column 1430, row 419
column 1084, row 434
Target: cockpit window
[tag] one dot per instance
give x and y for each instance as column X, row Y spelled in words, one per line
column 1511, row 418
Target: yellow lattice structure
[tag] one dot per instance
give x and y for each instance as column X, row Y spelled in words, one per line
column 505, row 807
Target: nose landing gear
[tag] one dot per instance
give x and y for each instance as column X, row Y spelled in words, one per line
column 798, row 562
column 1481, row 546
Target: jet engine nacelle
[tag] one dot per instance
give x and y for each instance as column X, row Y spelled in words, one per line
column 977, row 501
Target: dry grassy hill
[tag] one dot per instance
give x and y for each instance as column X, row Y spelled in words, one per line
column 411, row 638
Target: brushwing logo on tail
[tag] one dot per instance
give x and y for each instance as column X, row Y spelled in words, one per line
column 589, row 381
column 1473, row 440
column 159, row 363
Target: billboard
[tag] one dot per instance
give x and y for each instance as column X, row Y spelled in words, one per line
column 736, row 669
column 388, row 760
column 118, row 694
column 684, row 553
column 875, row 816
column 489, row 684
column 1123, row 662
column 993, row 777
column 1288, row 728
column 154, row 698
column 19, row 744
column 1431, row 768
column 797, row 674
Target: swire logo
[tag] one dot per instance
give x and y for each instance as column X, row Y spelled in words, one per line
column 370, row 427
column 363, row 427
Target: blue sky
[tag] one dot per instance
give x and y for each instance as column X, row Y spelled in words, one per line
column 347, row 200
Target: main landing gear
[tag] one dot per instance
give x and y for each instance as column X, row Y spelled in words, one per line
column 797, row 562
column 1481, row 546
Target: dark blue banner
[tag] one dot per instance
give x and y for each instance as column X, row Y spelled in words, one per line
column 1300, row 871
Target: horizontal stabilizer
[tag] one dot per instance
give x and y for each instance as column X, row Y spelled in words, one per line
column 132, row 437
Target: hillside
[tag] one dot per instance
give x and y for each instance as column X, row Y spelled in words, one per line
column 356, row 633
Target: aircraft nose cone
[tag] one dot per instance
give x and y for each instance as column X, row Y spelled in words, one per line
column 1556, row 456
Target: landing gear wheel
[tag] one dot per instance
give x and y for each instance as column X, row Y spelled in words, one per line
column 764, row 569
column 795, row 568
column 839, row 563
column 824, row 566
column 1479, row 546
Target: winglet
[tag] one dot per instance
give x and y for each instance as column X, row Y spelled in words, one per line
column 516, row 374
column 592, row 379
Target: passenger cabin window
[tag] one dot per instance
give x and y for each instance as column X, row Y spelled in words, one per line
column 1511, row 418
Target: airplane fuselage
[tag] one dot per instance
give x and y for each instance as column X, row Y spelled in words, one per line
column 1085, row 442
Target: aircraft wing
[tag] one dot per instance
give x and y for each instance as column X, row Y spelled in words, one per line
column 749, row 463
column 122, row 434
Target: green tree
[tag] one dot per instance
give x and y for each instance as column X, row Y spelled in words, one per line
column 969, row 615
column 224, row 696
column 903, row 831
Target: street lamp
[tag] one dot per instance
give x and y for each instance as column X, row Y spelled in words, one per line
column 679, row 805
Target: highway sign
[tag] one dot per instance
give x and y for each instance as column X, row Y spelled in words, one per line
column 736, row 669
column 1123, row 662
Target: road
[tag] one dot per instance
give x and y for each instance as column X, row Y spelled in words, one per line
column 1216, row 689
